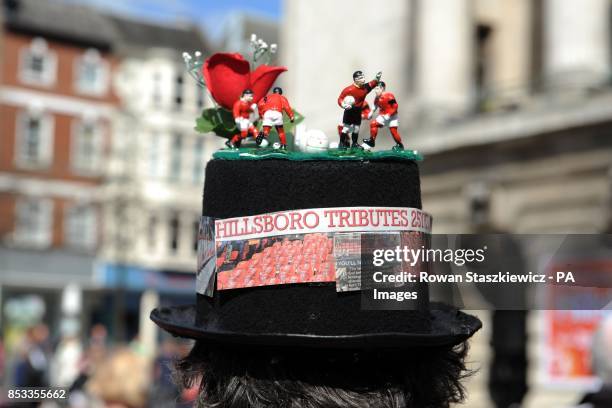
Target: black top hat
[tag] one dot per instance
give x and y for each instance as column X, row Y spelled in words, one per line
column 310, row 314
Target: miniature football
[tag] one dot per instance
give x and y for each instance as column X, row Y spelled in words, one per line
column 349, row 100
column 276, row 145
column 310, row 140
column 316, row 141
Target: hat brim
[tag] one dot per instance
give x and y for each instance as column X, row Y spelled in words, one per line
column 449, row 327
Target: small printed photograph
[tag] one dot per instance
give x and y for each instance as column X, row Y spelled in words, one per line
column 205, row 273
column 347, row 252
column 284, row 259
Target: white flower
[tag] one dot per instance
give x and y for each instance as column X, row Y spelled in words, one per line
column 253, row 38
column 273, row 48
column 198, row 54
column 186, row 56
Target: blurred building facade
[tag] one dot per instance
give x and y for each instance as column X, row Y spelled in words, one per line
column 56, row 108
column 508, row 100
column 521, row 85
column 100, row 170
column 155, row 179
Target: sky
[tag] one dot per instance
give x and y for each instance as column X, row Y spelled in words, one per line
column 210, row 14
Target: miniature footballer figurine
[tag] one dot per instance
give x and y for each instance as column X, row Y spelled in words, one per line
column 271, row 109
column 366, row 114
column 242, row 110
column 386, row 107
column 352, row 99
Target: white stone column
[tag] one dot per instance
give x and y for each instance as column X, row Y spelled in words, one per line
column 577, row 42
column 72, row 300
column 147, row 329
column 512, row 50
column 71, row 311
column 445, row 60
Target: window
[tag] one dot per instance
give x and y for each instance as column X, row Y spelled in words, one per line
column 479, row 201
column 91, row 73
column 199, row 97
column 198, row 161
column 174, row 233
column 152, row 233
column 38, row 64
column 33, row 222
column 178, row 92
column 81, row 225
column 86, row 146
column 154, row 155
column 484, row 59
column 196, row 230
column 34, row 139
column 175, row 157
column 157, row 97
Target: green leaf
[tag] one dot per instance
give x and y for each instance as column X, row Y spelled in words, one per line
column 290, row 127
column 218, row 121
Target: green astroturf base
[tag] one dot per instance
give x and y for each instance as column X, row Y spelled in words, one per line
column 264, row 153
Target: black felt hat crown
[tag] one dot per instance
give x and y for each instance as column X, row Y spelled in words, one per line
column 310, row 314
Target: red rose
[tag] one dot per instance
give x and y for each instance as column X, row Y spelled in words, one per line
column 227, row 75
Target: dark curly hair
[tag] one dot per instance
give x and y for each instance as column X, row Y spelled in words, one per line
column 249, row 377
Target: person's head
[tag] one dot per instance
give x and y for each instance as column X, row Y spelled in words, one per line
column 98, row 333
column 241, row 376
column 38, row 333
column 277, row 90
column 602, row 351
column 121, row 381
column 359, row 78
column 380, row 88
column 247, row 95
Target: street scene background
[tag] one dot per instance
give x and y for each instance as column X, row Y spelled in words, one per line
column 101, row 172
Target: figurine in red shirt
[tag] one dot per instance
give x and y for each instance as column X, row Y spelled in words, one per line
column 366, row 114
column 387, row 106
column 242, row 110
column 271, row 109
column 351, row 99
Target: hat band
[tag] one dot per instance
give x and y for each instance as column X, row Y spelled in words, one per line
column 302, row 246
